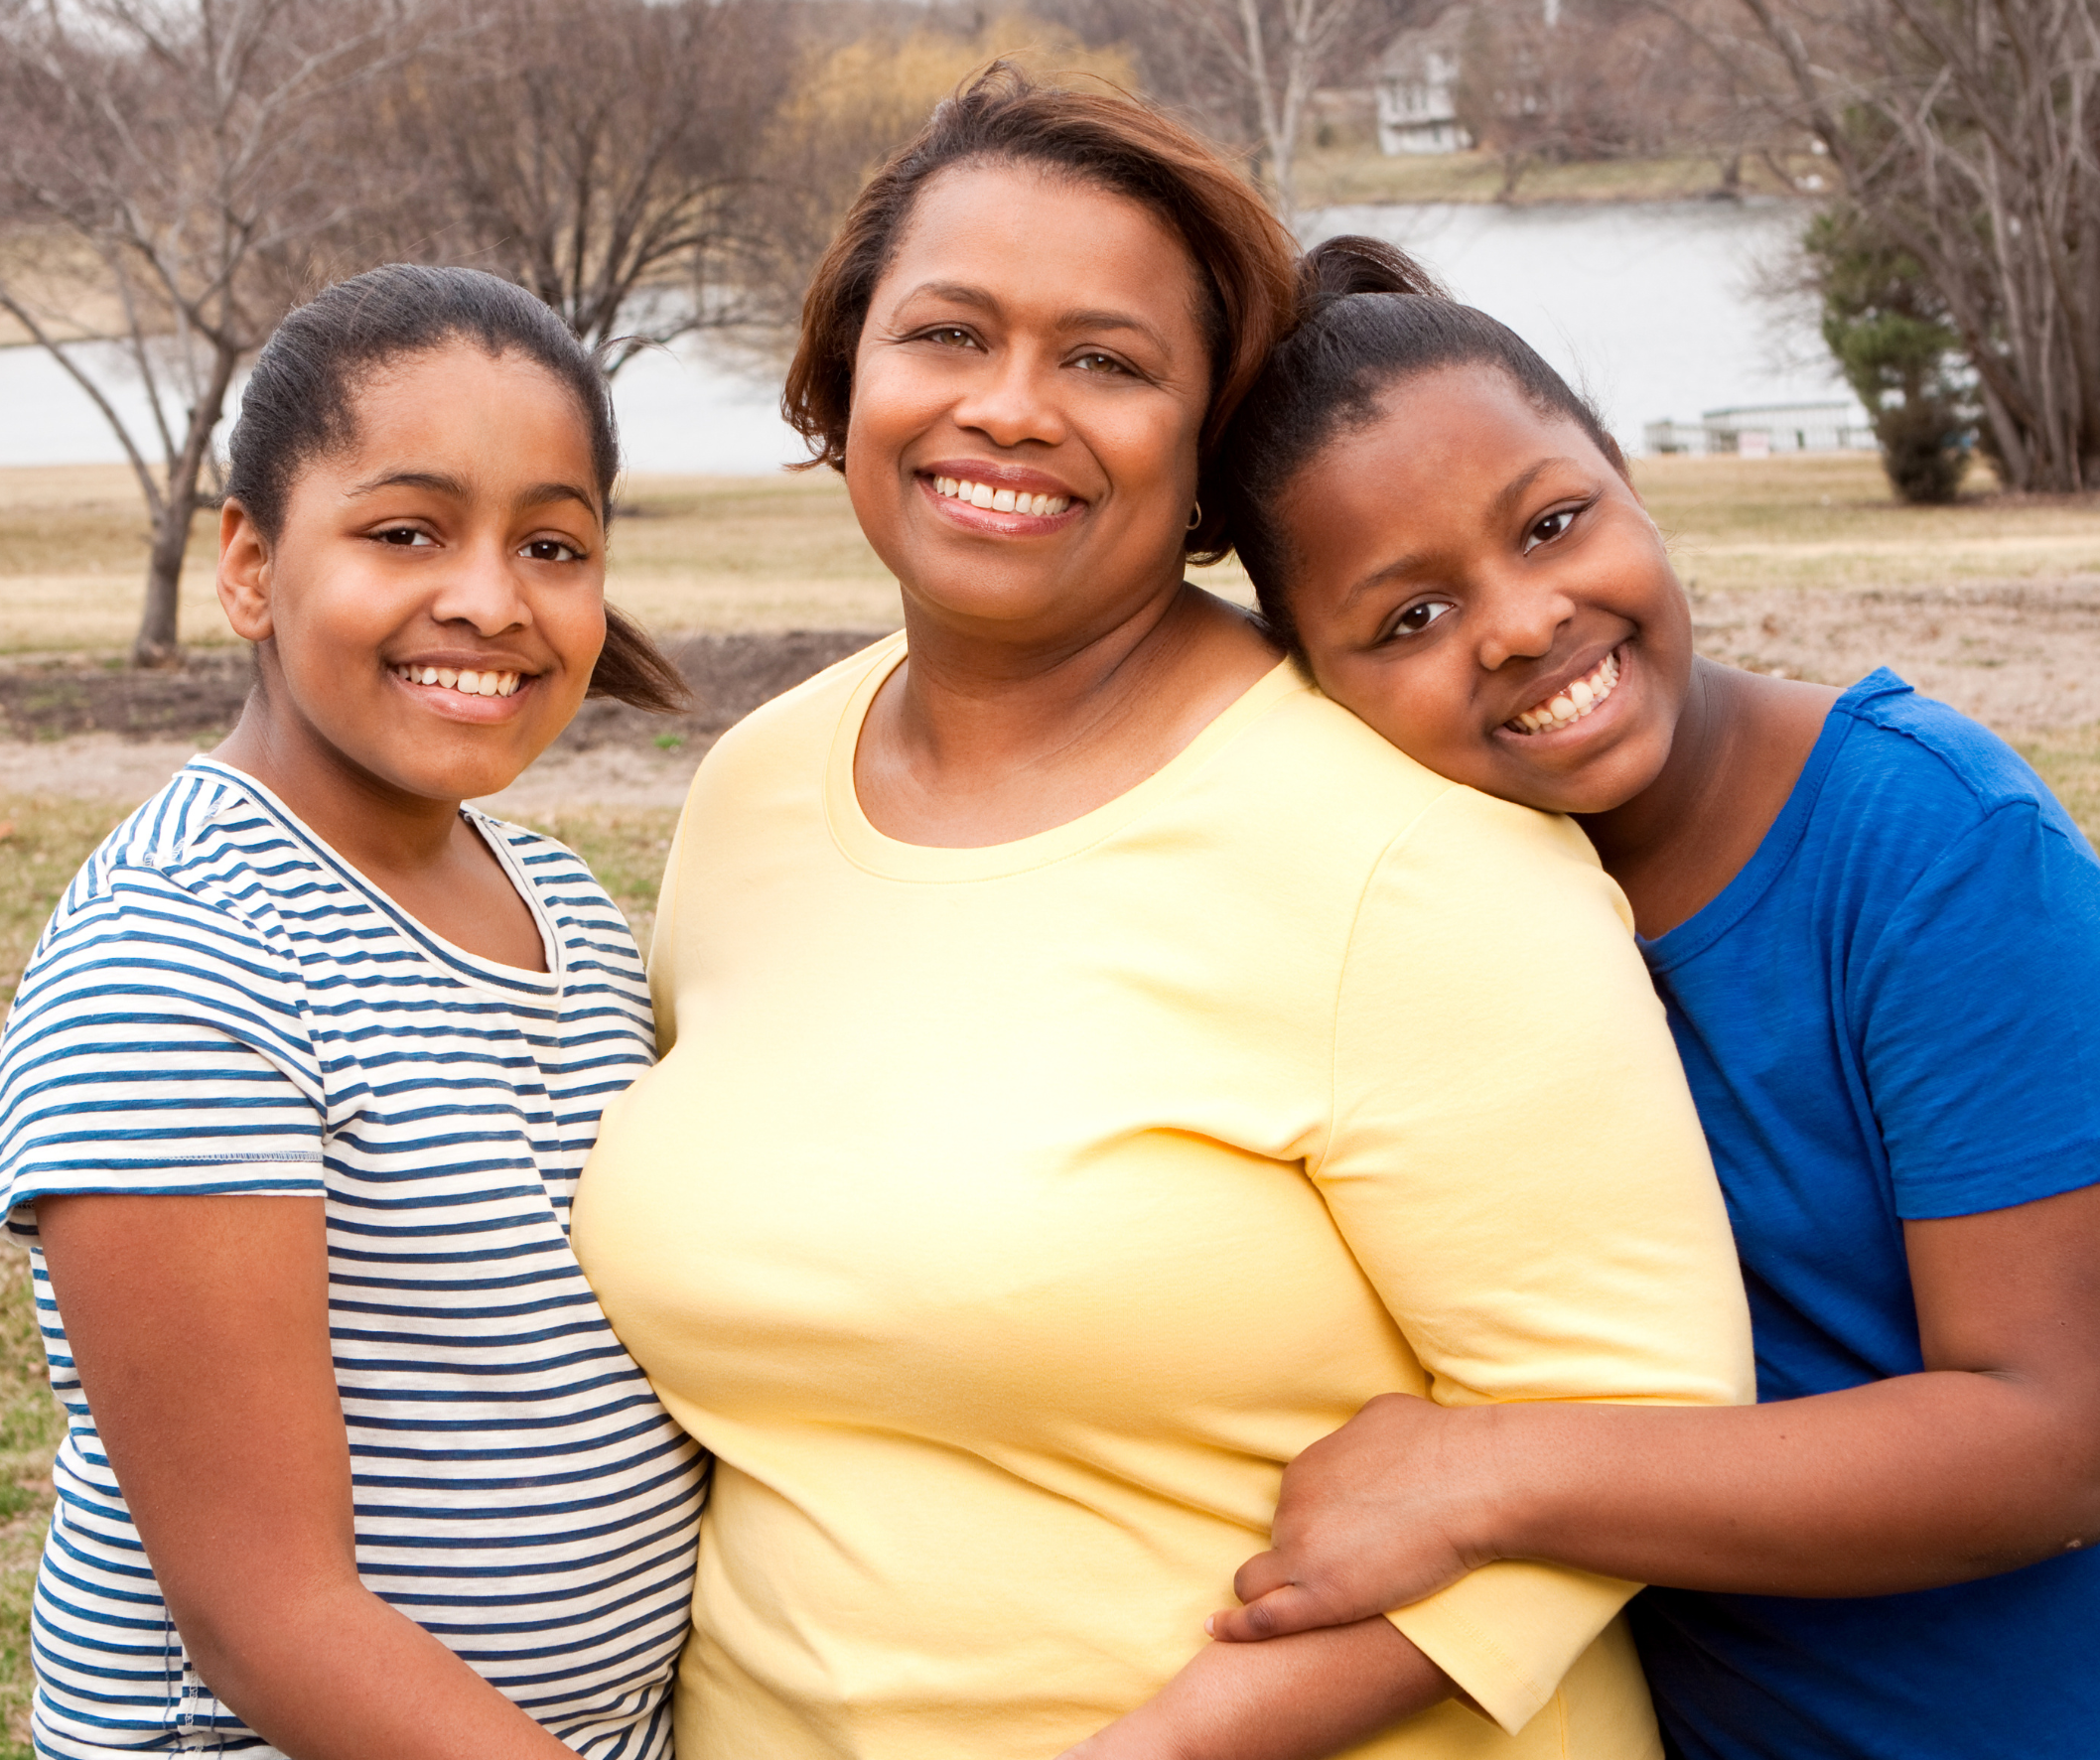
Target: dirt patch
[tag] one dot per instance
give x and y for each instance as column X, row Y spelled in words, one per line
column 2021, row 657
column 729, row 675
column 85, row 731
column 48, row 698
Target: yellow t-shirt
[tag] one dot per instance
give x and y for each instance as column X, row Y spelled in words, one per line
column 1006, row 1218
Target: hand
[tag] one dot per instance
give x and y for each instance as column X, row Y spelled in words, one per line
column 1310, row 1697
column 1390, row 1508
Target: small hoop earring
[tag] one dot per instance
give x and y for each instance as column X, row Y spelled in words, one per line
column 1195, row 516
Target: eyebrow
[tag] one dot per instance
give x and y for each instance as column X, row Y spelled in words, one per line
column 1090, row 318
column 1505, row 502
column 540, row 494
column 1500, row 509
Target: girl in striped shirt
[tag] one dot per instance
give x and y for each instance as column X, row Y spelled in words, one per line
column 296, row 1089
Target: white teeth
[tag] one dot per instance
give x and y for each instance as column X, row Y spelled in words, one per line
column 1573, row 703
column 469, row 683
column 1003, row 501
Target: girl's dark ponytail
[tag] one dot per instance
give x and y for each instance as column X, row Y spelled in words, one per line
column 1370, row 317
column 1354, row 264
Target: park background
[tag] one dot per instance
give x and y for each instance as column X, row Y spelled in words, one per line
column 1826, row 266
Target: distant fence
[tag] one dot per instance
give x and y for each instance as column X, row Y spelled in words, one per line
column 1757, row 429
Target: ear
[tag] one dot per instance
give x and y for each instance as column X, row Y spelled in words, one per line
column 244, row 574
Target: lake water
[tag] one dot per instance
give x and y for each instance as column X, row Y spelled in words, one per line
column 1649, row 306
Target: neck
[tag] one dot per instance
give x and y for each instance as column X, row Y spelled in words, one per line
column 378, row 829
column 975, row 742
column 966, row 703
column 1674, row 812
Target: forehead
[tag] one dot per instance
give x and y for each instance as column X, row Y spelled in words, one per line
column 1431, row 464
column 1033, row 235
column 1470, row 416
column 501, row 411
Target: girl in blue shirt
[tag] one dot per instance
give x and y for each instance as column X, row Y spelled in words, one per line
column 1877, row 936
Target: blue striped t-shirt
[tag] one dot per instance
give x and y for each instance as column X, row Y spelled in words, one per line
column 220, row 1003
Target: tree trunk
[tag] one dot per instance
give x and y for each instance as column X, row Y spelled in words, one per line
column 159, row 643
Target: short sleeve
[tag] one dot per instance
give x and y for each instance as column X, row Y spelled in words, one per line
column 157, row 1045
column 1516, row 1163
column 1976, row 1013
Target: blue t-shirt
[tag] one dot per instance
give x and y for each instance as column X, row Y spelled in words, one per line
column 1893, row 1013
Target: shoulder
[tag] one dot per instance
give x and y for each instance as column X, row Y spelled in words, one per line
column 207, row 852
column 560, row 877
column 594, row 934
column 1408, row 853
column 1340, row 769
column 1910, row 763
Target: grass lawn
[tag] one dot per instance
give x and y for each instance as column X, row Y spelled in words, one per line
column 783, row 552
column 1350, row 175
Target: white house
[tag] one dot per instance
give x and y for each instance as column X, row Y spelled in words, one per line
column 1417, row 87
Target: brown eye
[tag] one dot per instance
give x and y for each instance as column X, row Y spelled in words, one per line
column 1549, row 528
column 1418, row 618
column 402, row 537
column 551, row 550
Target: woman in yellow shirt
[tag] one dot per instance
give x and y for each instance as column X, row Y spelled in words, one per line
column 1096, row 1064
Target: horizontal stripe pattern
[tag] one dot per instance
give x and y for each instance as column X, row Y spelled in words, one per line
column 222, row 1005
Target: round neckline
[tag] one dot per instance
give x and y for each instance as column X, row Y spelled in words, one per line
column 891, row 859
column 455, row 961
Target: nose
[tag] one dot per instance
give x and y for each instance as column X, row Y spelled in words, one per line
column 1013, row 399
column 1523, row 620
column 482, row 588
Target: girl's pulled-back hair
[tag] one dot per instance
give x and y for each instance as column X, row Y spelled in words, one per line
column 1241, row 252
column 300, row 405
column 1372, row 317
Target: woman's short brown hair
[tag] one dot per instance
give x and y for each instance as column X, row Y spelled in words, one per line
column 1244, row 258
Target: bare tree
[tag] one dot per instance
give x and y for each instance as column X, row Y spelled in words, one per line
column 867, row 78
column 601, row 153
column 1246, row 69
column 1967, row 132
column 182, row 158
column 1277, row 52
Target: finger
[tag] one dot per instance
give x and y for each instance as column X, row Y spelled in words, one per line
column 1261, row 1573
column 1277, row 1614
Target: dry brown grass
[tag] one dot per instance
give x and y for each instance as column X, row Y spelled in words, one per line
column 1826, row 520
column 715, row 553
column 1356, row 174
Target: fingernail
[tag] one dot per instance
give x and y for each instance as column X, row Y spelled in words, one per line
column 1210, row 1626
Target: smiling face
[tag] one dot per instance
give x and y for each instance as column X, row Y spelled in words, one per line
column 433, row 603
column 1475, row 580
column 1027, row 397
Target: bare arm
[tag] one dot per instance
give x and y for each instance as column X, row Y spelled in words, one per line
column 1988, row 1461
column 201, row 1329
column 1312, row 1695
